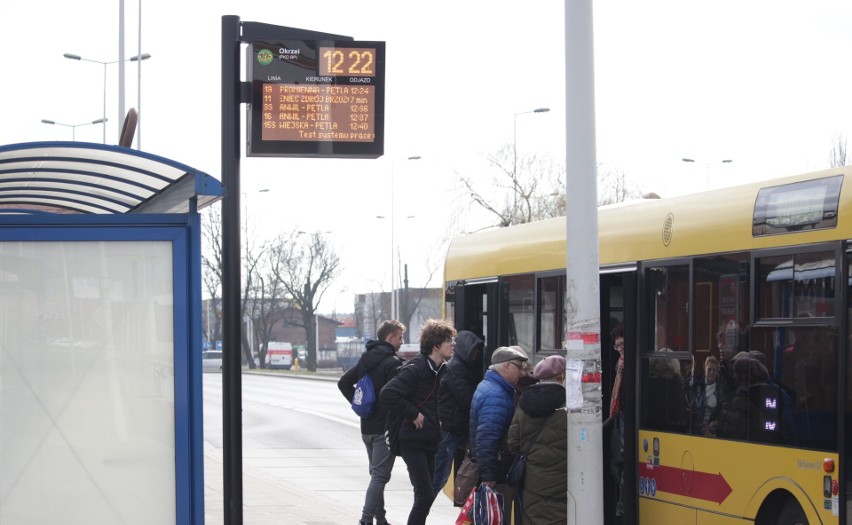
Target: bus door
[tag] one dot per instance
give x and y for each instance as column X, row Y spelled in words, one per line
column 618, row 289
column 475, row 308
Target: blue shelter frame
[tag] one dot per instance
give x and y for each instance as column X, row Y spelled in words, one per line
column 105, row 202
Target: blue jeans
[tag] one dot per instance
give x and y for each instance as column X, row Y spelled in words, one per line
column 381, row 465
column 421, row 470
column 450, row 441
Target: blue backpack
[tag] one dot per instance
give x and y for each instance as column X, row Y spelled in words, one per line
column 364, row 399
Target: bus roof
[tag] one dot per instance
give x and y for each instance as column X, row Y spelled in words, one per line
column 715, row 221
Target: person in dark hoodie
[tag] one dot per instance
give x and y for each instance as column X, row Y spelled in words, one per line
column 382, row 363
column 413, row 396
column 545, row 492
column 464, row 371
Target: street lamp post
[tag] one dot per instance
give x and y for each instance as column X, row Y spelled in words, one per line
column 392, row 267
column 141, row 57
column 725, row 161
column 74, row 126
column 515, row 137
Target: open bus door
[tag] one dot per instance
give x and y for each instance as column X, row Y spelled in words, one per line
column 477, row 308
column 618, row 299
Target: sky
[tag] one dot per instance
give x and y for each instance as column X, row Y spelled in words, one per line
column 762, row 83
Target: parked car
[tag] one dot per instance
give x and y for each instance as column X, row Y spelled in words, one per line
column 211, row 360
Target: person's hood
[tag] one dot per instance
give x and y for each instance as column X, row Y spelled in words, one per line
column 466, row 343
column 376, row 352
column 542, row 399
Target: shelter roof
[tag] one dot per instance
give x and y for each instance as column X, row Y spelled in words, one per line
column 88, row 178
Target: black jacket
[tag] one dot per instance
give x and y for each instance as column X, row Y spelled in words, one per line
column 415, row 391
column 381, row 361
column 464, row 371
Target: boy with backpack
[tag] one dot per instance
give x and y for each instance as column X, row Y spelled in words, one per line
column 381, row 363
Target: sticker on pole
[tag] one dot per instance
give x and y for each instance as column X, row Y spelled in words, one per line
column 583, row 345
column 573, row 384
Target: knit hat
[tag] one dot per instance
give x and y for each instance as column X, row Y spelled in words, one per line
column 549, row 367
column 505, row 353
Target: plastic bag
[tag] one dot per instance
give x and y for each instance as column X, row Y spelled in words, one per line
column 487, row 506
column 466, row 512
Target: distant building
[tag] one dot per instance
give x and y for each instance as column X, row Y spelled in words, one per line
column 416, row 306
column 288, row 328
column 346, row 328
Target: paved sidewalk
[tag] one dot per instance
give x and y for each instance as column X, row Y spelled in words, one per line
column 317, row 498
column 308, row 487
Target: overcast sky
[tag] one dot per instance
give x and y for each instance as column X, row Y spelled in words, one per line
column 762, row 83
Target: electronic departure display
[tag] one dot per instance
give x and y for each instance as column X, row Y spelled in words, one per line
column 316, row 99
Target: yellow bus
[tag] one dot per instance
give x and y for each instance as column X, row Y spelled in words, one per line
column 746, row 279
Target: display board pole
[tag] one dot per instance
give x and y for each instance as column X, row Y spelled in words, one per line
column 232, row 425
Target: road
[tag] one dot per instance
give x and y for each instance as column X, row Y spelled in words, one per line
column 303, row 459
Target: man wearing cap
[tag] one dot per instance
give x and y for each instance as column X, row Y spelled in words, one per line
column 491, row 414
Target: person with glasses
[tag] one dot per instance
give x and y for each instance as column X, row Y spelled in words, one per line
column 491, row 414
column 412, row 401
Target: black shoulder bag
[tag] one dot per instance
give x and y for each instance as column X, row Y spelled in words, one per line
column 518, row 470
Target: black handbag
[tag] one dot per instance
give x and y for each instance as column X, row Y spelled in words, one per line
column 518, row 469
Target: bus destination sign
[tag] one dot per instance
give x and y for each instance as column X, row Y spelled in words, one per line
column 316, row 99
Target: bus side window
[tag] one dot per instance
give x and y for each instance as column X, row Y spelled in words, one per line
column 522, row 309
column 551, row 293
column 664, row 358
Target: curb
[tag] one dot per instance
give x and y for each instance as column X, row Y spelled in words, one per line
column 331, row 375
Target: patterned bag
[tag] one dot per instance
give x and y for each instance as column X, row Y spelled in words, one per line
column 487, row 506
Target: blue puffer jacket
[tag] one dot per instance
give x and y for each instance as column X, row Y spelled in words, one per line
column 491, row 413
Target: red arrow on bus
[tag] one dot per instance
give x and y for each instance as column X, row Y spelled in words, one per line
column 689, row 483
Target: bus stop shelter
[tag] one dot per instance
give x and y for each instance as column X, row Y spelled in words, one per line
column 100, row 361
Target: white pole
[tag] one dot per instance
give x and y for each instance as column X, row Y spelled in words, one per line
column 120, row 64
column 139, row 83
column 585, row 456
column 393, row 265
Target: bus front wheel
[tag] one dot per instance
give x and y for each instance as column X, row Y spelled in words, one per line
column 791, row 514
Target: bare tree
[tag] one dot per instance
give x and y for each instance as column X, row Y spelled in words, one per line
column 837, row 156
column 305, row 267
column 525, row 189
column 211, row 267
column 263, row 298
column 613, row 187
column 534, row 189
